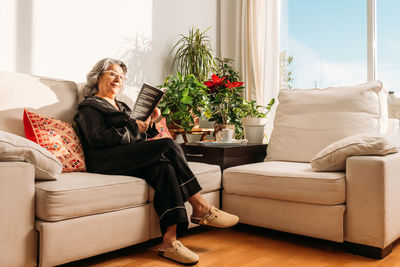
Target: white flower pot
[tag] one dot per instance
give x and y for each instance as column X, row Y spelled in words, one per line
column 254, row 129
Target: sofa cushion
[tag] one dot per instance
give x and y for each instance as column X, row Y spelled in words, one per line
column 77, row 194
column 208, row 175
column 50, row 97
column 306, row 121
column 334, row 156
column 290, row 181
column 17, row 148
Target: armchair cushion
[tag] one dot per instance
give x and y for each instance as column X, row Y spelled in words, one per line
column 17, row 148
column 306, row 121
column 333, row 157
column 288, row 181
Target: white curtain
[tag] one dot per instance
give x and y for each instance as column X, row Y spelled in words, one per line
column 250, row 35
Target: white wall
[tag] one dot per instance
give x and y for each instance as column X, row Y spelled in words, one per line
column 8, row 34
column 64, row 38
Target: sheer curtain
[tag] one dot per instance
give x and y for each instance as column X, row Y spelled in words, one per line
column 250, row 35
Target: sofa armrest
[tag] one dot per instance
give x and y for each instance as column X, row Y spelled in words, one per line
column 18, row 238
column 373, row 200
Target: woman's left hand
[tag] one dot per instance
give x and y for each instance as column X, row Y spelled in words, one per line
column 155, row 114
column 143, row 125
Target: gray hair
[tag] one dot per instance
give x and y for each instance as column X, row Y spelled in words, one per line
column 92, row 78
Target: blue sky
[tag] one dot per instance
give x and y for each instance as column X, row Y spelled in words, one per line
column 327, row 39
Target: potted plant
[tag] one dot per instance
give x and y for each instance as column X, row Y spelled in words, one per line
column 194, row 54
column 184, row 101
column 225, row 93
column 254, row 120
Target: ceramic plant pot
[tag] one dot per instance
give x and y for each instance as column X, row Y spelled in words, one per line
column 254, row 129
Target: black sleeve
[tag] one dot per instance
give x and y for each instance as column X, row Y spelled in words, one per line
column 92, row 128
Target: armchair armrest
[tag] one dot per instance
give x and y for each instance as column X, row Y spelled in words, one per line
column 18, row 238
column 372, row 215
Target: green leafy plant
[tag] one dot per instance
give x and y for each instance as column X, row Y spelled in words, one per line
column 250, row 109
column 194, row 54
column 254, row 120
column 185, row 97
column 226, row 69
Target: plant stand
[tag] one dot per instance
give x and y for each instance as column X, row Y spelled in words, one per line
column 196, row 131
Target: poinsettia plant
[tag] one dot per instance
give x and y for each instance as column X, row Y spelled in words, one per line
column 226, row 95
column 228, row 106
column 225, row 100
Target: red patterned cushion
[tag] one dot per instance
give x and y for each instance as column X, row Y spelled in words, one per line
column 162, row 129
column 58, row 137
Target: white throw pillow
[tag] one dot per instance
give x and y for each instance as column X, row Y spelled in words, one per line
column 306, row 121
column 333, row 157
column 17, row 148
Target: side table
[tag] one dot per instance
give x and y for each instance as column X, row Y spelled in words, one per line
column 225, row 155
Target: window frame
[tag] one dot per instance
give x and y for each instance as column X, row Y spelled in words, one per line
column 371, row 40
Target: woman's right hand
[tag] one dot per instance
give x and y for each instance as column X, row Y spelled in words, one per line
column 143, row 125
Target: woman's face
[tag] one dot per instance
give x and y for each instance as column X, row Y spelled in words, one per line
column 111, row 81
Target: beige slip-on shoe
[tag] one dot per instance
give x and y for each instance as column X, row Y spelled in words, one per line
column 180, row 254
column 216, row 218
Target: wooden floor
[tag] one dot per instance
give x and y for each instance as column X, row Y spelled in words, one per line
column 243, row 246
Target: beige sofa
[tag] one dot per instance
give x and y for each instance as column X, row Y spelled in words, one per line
column 359, row 206
column 81, row 214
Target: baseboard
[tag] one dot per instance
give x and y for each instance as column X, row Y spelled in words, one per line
column 368, row 251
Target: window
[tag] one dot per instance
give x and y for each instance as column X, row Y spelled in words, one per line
column 326, row 43
column 388, row 44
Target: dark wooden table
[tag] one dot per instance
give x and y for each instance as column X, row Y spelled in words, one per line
column 225, row 155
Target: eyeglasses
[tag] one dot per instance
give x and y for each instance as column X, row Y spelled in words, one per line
column 114, row 74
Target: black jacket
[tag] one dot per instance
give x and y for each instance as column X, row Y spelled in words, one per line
column 101, row 126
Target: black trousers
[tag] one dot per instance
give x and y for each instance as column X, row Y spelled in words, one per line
column 163, row 165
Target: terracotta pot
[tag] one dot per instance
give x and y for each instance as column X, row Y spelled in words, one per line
column 196, row 123
column 218, row 130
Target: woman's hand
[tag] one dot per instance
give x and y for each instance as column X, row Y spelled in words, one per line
column 143, row 125
column 155, row 114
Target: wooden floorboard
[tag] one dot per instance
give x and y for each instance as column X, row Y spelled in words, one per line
column 243, row 246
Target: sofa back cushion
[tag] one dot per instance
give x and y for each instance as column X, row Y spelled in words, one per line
column 46, row 96
column 306, row 121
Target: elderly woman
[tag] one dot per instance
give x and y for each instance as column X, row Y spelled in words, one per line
column 114, row 143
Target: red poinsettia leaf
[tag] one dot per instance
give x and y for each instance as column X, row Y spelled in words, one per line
column 217, row 80
column 208, row 83
column 233, row 85
column 237, row 84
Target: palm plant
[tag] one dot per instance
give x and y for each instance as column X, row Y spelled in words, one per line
column 194, row 54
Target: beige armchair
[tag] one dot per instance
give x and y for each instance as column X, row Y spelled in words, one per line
column 358, row 205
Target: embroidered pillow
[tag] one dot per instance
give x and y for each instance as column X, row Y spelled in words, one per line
column 58, row 137
column 162, row 129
